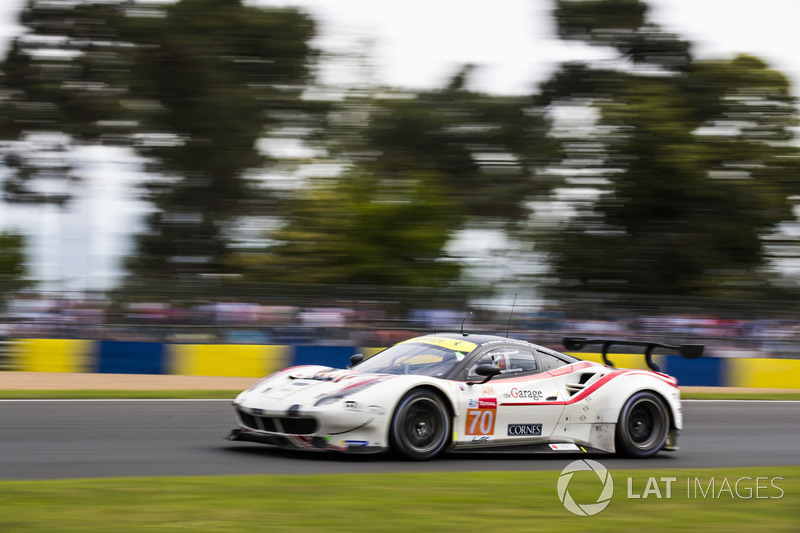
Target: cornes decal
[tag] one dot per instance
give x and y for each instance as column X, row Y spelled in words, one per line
column 524, row 430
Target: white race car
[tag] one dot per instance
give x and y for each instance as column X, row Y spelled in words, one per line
column 460, row 391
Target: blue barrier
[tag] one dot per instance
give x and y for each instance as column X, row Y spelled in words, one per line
column 123, row 357
column 702, row 372
column 335, row 356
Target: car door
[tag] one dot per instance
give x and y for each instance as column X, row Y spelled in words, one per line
column 520, row 405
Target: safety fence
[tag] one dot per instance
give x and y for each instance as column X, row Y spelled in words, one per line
column 256, row 360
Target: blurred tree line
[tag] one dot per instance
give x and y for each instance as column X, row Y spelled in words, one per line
column 693, row 163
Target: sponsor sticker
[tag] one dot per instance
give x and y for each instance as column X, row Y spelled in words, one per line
column 564, row 447
column 516, row 393
column 480, row 421
column 356, row 443
column 487, row 403
column 524, row 430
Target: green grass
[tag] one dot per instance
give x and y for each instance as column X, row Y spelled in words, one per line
column 451, row 501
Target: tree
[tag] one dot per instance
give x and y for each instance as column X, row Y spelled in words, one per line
column 486, row 150
column 61, row 84
column 414, row 168
column 217, row 98
column 192, row 86
column 362, row 230
column 13, row 271
column 693, row 162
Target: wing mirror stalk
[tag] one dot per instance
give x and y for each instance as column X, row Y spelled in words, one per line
column 355, row 359
column 489, row 371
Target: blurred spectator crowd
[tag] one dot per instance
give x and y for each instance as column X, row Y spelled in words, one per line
column 376, row 324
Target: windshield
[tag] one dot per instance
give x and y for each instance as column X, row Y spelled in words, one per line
column 412, row 357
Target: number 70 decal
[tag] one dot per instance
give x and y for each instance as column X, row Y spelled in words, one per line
column 481, row 421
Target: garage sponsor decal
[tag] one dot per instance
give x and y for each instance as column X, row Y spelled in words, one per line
column 524, row 430
column 480, row 420
column 516, row 393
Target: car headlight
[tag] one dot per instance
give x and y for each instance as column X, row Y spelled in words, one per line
column 347, row 391
column 262, row 381
column 326, row 400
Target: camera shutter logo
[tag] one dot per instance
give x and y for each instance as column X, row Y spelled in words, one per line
column 588, row 509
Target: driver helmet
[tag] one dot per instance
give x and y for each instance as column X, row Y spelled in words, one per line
column 500, row 361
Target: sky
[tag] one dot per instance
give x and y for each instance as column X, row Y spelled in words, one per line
column 410, row 43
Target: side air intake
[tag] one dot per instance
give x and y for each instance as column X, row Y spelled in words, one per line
column 574, row 388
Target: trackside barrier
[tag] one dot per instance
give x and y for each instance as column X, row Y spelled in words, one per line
column 702, row 372
column 53, row 355
column 256, row 360
column 237, row 360
column 120, row 357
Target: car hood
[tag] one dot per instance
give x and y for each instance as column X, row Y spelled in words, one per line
column 310, row 384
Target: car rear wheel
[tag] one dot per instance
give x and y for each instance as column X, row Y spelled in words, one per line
column 420, row 425
column 643, row 425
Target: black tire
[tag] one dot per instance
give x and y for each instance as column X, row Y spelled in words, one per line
column 420, row 426
column 643, row 425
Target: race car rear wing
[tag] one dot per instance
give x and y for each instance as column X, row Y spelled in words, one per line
column 689, row 351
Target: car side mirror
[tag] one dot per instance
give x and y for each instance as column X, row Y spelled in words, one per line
column 489, row 371
column 355, row 359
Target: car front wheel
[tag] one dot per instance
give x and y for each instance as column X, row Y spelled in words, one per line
column 420, row 426
column 643, row 425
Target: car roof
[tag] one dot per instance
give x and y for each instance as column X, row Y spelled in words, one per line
column 476, row 338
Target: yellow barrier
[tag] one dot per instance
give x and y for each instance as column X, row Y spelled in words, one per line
column 53, row 355
column 622, row 360
column 235, row 360
column 369, row 352
column 764, row 373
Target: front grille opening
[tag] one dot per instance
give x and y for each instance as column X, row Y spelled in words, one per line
column 248, row 420
column 293, row 426
column 268, row 424
column 263, row 423
column 299, row 426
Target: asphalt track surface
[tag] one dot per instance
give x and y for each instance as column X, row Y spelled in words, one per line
column 51, row 439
